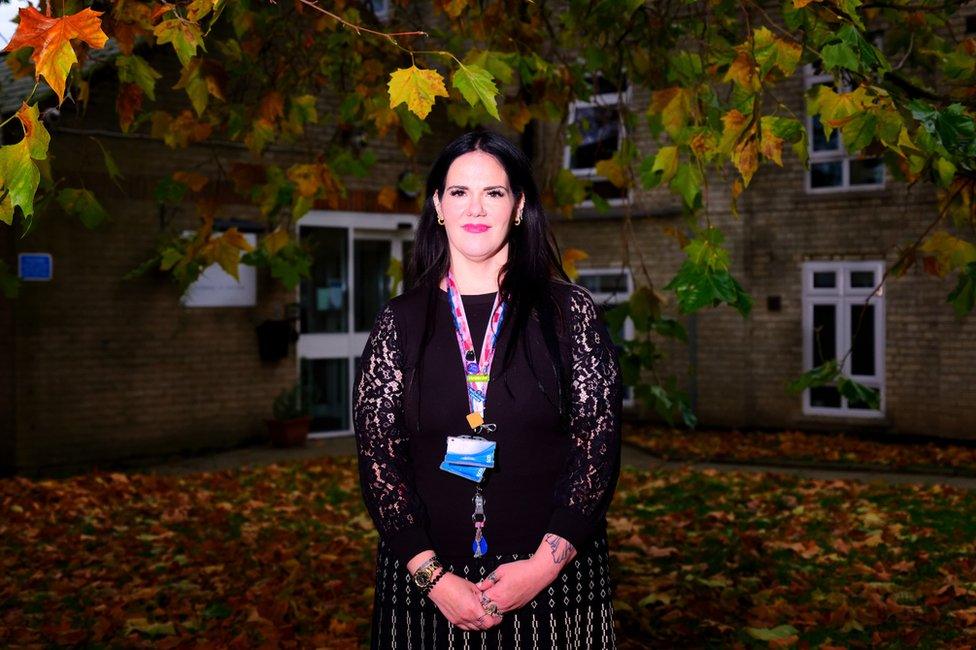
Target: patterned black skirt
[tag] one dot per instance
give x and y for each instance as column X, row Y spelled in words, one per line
column 575, row 611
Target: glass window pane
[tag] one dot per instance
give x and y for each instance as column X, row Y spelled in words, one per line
column 820, row 140
column 827, row 396
column 599, row 128
column 824, row 279
column 607, row 190
column 862, row 279
column 371, row 259
column 828, row 174
column 603, row 282
column 824, row 333
column 407, row 258
column 869, row 171
column 325, row 297
column 326, row 383
column 862, row 355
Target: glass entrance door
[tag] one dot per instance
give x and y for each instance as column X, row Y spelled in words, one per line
column 349, row 284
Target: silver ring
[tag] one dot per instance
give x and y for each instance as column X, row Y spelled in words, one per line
column 492, row 577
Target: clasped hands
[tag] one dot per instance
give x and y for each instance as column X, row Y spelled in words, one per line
column 508, row 587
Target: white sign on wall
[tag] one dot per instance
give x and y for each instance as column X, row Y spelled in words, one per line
column 217, row 288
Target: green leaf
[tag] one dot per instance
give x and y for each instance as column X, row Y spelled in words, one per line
column 569, row 189
column 412, row 125
column 110, row 165
column 477, row 85
column 9, row 282
column 663, row 168
column 135, row 69
column 839, row 55
column 963, row 297
column 859, row 393
column 20, row 178
column 183, row 34
column 687, row 183
column 83, row 205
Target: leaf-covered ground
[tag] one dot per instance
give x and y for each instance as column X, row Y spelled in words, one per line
column 805, row 448
column 283, row 554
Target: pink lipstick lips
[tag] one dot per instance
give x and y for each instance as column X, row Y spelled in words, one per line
column 474, row 227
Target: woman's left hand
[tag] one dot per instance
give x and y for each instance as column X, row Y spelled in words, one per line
column 516, row 583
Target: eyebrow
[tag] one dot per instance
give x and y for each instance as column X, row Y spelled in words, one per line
column 464, row 187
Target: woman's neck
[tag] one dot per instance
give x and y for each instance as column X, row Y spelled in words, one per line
column 476, row 277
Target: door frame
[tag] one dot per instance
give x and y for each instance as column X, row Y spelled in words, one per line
column 395, row 227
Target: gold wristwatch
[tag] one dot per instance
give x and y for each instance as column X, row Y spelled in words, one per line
column 426, row 572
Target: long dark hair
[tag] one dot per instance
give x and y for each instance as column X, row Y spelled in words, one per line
column 533, row 254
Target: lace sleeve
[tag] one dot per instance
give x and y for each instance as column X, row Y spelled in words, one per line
column 585, row 487
column 385, row 475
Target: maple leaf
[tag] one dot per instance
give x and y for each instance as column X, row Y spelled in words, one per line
column 51, row 39
column 417, row 87
column 476, row 84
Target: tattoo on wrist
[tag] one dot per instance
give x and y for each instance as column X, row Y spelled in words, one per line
column 559, row 547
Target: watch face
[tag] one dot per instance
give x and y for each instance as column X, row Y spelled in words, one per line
column 422, row 579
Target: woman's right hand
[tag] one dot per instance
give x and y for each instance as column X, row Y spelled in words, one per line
column 460, row 602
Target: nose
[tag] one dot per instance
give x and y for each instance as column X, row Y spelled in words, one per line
column 475, row 205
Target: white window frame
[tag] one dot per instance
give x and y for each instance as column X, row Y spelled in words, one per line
column 810, row 79
column 842, row 297
column 603, row 100
column 604, row 297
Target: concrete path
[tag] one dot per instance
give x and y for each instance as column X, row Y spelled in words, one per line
column 630, row 457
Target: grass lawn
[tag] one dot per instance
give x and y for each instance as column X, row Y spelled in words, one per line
column 284, row 554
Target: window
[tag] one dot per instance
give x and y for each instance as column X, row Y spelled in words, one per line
column 600, row 128
column 831, row 167
column 610, row 287
column 837, row 318
column 381, row 9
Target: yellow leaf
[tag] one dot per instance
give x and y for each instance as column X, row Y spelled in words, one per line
column 745, row 157
column 235, row 238
column 613, row 171
column 676, row 106
column 417, row 87
column 275, row 241
column 772, row 145
column 744, row 72
column 570, row 257
column 306, row 178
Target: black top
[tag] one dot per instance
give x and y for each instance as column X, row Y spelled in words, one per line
column 545, row 479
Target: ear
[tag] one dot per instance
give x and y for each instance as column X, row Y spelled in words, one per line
column 437, row 202
column 521, row 205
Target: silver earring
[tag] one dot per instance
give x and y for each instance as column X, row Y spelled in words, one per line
column 440, row 220
column 518, row 217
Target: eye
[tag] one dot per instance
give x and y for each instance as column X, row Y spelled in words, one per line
column 456, row 192
column 496, row 194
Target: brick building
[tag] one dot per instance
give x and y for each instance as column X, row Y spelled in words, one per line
column 95, row 369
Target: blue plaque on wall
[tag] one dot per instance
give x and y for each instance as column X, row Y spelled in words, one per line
column 34, row 266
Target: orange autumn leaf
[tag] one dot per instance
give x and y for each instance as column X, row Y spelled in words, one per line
column 387, row 197
column 193, row 180
column 51, row 39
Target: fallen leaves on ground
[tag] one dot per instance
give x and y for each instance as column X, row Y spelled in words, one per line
column 804, row 448
column 283, row 556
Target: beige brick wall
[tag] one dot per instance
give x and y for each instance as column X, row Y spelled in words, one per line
column 738, row 368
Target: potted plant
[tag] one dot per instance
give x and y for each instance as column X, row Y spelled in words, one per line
column 290, row 425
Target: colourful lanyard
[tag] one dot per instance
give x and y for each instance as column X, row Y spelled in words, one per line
column 476, row 378
column 476, row 375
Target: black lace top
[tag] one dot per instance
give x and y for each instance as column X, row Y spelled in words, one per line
column 545, row 479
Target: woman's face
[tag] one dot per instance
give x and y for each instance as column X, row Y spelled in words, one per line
column 477, row 207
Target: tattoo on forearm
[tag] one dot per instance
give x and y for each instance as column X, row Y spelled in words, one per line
column 559, row 547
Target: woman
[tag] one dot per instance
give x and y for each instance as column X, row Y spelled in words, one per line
column 489, row 478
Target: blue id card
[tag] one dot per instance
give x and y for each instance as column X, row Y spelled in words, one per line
column 468, row 456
